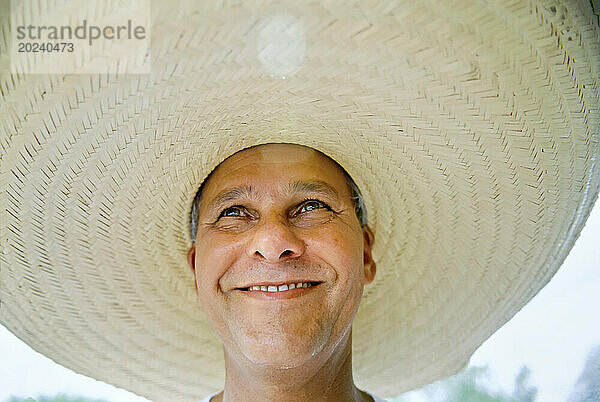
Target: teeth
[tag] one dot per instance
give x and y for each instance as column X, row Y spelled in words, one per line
column 280, row 288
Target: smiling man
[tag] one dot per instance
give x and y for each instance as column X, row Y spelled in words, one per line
column 468, row 127
column 280, row 260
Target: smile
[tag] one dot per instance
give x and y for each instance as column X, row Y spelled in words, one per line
column 280, row 288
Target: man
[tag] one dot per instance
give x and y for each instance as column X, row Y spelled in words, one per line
column 277, row 216
column 470, row 128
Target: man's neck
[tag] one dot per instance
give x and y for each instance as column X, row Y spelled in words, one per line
column 330, row 380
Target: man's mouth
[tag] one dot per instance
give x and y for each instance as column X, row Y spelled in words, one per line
column 279, row 288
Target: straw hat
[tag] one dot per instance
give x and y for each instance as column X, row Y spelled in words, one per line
column 471, row 128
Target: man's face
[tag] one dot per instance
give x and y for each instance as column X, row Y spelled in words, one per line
column 273, row 236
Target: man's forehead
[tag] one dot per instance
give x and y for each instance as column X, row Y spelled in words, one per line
column 281, row 169
column 269, row 153
column 280, row 162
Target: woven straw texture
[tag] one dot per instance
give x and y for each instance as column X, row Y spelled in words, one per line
column 471, row 127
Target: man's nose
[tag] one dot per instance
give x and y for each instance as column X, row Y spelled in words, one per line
column 274, row 240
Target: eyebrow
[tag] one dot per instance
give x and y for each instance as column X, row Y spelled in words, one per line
column 298, row 186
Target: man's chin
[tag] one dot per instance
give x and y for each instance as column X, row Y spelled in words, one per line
column 276, row 365
column 278, row 355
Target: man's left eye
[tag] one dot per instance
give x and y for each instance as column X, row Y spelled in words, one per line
column 313, row 204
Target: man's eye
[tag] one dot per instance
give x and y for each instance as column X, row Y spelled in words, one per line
column 314, row 204
column 309, row 205
column 230, row 209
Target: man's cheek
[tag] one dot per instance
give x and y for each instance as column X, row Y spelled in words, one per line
column 215, row 313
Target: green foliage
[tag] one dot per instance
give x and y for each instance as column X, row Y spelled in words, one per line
column 56, row 398
column 470, row 386
column 587, row 387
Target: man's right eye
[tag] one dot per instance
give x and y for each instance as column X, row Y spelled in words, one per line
column 226, row 210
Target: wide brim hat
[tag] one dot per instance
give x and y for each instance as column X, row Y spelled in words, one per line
column 471, row 128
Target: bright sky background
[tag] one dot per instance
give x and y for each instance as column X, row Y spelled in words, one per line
column 552, row 335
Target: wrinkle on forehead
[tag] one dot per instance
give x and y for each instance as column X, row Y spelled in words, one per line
column 271, row 154
column 231, row 175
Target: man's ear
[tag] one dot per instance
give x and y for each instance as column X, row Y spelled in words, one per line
column 191, row 258
column 369, row 264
